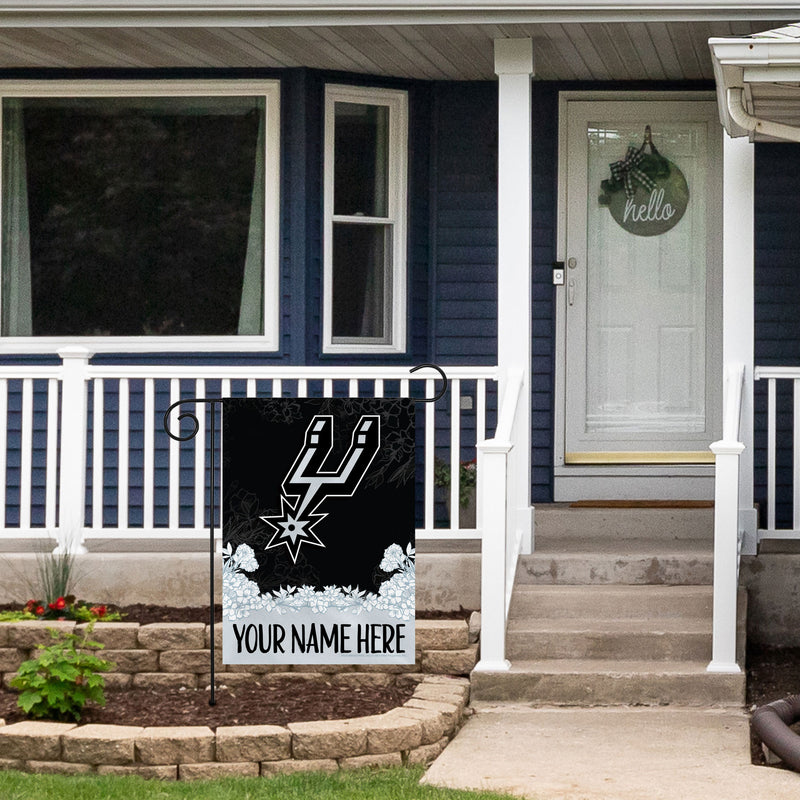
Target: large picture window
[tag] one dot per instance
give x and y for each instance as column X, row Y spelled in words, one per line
column 138, row 215
column 365, row 220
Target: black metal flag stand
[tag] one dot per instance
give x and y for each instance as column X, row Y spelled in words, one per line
column 213, row 402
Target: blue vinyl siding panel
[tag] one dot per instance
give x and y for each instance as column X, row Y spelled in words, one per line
column 465, row 236
column 544, row 169
column 777, row 321
column 465, row 223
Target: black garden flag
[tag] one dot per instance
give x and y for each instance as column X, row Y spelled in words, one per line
column 318, row 531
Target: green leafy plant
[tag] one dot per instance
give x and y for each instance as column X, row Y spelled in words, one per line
column 467, row 478
column 62, row 678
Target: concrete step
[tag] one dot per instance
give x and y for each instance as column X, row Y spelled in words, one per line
column 563, row 521
column 592, row 561
column 613, row 601
column 609, row 682
column 679, row 640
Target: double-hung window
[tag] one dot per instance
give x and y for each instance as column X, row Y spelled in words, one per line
column 140, row 215
column 366, row 134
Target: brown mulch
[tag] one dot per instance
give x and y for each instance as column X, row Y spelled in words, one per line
column 281, row 700
column 772, row 674
column 145, row 613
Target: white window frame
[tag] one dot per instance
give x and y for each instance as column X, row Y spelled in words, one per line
column 397, row 214
column 269, row 339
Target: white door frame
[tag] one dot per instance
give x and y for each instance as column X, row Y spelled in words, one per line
column 624, row 481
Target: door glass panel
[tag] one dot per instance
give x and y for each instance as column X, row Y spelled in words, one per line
column 646, row 294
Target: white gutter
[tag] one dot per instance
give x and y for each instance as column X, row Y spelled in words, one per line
column 745, row 120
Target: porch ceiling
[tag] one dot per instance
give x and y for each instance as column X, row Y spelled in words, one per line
column 650, row 48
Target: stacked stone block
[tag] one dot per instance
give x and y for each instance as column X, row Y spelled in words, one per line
column 414, row 733
column 178, row 654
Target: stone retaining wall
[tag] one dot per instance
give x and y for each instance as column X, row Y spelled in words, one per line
column 414, row 733
column 177, row 654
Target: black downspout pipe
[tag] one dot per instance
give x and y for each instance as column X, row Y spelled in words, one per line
column 771, row 723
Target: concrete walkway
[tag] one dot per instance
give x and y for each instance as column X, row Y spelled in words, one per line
column 626, row 753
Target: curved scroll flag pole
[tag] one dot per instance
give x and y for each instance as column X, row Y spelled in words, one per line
column 445, row 382
column 178, row 437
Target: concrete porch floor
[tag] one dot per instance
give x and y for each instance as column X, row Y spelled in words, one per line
column 620, row 753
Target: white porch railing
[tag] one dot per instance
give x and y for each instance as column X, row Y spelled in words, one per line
column 787, row 378
column 727, row 536
column 499, row 518
column 140, row 485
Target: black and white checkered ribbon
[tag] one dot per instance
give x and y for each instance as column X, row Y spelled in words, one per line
column 627, row 171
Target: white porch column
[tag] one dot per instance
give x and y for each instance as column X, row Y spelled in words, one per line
column 738, row 298
column 513, row 63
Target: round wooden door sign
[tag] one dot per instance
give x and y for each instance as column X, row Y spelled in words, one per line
column 647, row 194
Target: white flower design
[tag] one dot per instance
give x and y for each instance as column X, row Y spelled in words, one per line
column 396, row 595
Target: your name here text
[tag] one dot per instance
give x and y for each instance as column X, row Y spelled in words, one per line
column 319, row 638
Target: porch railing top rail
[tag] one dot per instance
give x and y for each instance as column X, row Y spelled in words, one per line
column 762, row 373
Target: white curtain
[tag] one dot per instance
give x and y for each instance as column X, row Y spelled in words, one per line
column 16, row 248
column 375, row 286
column 251, row 308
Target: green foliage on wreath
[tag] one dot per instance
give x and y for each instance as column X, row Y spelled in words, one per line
column 654, row 165
column 62, row 678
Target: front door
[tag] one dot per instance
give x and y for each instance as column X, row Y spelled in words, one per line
column 641, row 300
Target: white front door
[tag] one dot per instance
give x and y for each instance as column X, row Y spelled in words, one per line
column 641, row 301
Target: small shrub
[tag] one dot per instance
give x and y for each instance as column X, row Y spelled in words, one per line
column 63, row 608
column 467, row 478
column 62, row 678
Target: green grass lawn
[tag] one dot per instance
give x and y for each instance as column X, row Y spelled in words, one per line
column 387, row 784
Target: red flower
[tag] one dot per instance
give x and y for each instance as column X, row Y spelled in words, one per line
column 60, row 603
column 98, row 611
column 29, row 606
column 51, row 606
column 39, row 611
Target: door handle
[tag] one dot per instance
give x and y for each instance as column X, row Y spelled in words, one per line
column 571, row 291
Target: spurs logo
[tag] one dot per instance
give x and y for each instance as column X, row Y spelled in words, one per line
column 308, row 483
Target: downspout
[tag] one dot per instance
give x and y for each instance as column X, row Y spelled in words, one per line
column 745, row 120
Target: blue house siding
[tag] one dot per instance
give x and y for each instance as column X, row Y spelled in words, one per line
column 465, row 224
column 545, row 181
column 777, row 321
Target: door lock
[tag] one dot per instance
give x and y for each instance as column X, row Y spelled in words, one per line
column 572, row 263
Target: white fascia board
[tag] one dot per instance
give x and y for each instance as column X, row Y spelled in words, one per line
column 245, row 13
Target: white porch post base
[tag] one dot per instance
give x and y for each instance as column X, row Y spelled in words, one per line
column 492, row 465
column 726, row 557
column 69, row 534
column 492, row 666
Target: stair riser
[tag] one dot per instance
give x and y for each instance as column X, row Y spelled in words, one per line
column 628, row 523
column 609, row 690
column 578, row 569
column 650, row 646
column 555, row 605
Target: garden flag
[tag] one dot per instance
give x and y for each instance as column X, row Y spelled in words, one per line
column 318, row 531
